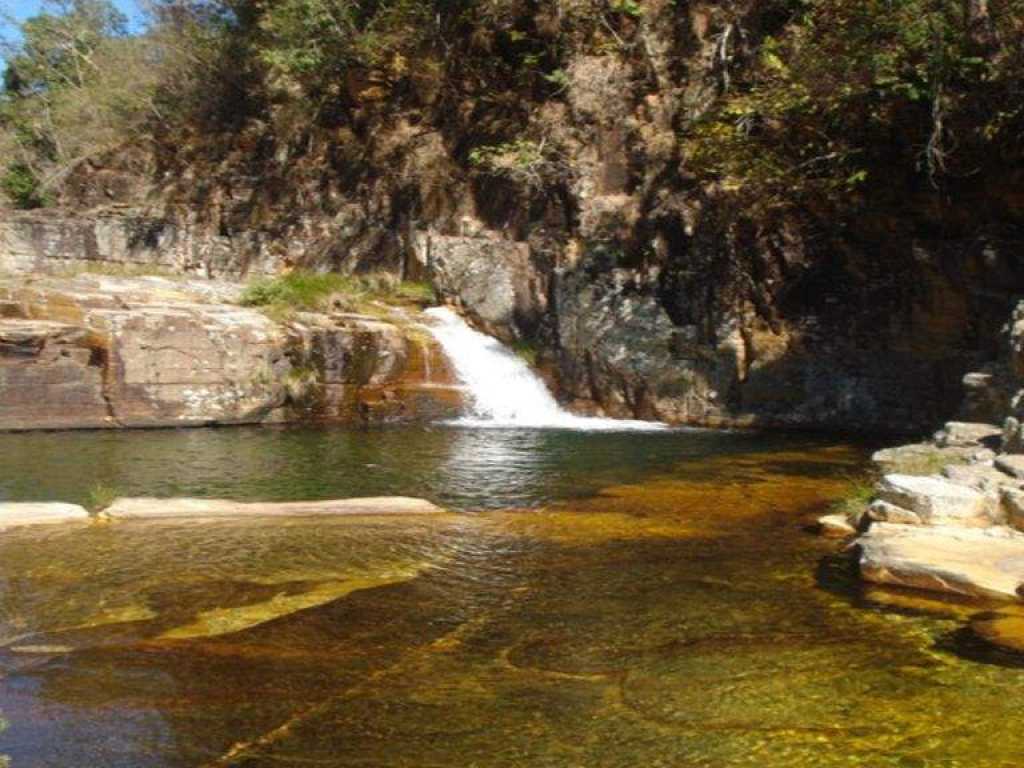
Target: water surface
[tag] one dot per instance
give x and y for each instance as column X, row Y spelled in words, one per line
column 597, row 600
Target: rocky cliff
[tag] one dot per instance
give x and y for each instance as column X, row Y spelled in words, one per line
column 96, row 351
column 565, row 209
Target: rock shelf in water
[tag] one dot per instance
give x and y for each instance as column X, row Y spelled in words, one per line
column 980, row 562
column 15, row 514
column 146, row 508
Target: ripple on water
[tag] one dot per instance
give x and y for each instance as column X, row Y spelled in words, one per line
column 651, row 601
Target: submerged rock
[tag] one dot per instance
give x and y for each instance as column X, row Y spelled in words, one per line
column 963, row 561
column 1002, row 630
column 134, row 508
column 13, row 514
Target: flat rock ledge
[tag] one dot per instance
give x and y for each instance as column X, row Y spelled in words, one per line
column 975, row 562
column 152, row 508
column 14, row 514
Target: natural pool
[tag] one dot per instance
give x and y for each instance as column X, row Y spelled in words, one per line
column 611, row 599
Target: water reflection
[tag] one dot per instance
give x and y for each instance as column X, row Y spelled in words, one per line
column 463, row 468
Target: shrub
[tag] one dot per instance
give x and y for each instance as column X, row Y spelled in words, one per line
column 100, row 497
column 20, row 184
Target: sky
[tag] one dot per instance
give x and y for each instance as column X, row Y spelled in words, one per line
column 23, row 9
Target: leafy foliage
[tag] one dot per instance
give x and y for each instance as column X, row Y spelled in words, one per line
column 20, row 184
column 523, row 160
column 76, row 87
column 848, row 87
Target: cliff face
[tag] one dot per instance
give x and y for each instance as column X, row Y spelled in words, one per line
column 582, row 229
column 95, row 351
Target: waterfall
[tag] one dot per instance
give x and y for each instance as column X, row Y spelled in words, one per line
column 504, row 392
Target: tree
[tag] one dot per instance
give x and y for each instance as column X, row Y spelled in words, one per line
column 78, row 85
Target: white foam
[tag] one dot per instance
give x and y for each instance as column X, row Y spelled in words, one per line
column 504, row 392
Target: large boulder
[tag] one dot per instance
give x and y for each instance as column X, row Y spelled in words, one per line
column 965, row 561
column 51, row 377
column 493, row 280
column 937, row 501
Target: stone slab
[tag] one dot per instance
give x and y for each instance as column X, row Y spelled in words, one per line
column 149, row 508
column 975, row 562
column 935, row 500
column 14, row 514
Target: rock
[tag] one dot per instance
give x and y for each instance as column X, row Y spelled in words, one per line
column 51, row 377
column 96, row 351
column 147, row 508
column 965, row 561
column 40, row 241
column 13, row 514
column 982, row 477
column 1012, row 502
column 492, row 279
column 1013, row 436
column 921, row 458
column 936, row 501
column 835, row 526
column 963, row 434
column 1012, row 464
column 986, row 396
column 884, row 512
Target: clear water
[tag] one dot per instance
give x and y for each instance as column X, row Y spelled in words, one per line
column 600, row 600
column 503, row 391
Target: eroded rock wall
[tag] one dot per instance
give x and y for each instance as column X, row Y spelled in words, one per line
column 103, row 352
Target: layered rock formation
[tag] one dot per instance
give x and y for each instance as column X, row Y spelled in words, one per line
column 651, row 291
column 98, row 351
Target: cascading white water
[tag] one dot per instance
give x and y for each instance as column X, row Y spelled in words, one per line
column 503, row 389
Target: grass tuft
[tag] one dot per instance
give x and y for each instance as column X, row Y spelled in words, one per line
column 324, row 291
column 100, row 497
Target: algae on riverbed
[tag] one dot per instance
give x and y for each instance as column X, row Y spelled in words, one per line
column 671, row 617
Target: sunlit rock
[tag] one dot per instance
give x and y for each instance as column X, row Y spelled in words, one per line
column 883, row 512
column 965, row 561
column 14, row 514
column 132, row 508
column 965, row 433
column 836, row 526
column 936, row 501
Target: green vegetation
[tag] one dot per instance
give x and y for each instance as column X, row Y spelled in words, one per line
column 327, row 291
column 20, row 184
column 849, row 96
column 301, row 384
column 77, row 87
column 100, row 497
column 859, row 493
column 527, row 351
column 528, row 162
